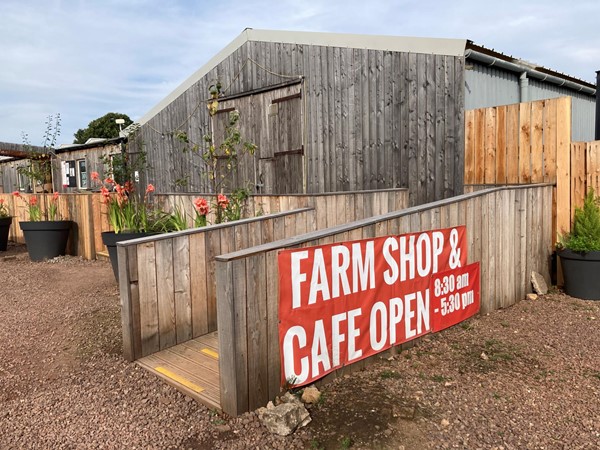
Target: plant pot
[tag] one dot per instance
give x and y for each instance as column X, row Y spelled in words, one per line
column 111, row 239
column 581, row 274
column 4, row 229
column 46, row 239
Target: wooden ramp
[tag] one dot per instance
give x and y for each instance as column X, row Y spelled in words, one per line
column 191, row 367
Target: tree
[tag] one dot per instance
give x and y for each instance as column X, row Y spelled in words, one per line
column 103, row 127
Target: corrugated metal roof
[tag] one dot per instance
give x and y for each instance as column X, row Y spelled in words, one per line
column 526, row 64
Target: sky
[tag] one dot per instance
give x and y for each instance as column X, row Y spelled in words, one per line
column 85, row 58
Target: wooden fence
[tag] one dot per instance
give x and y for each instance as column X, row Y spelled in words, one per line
column 508, row 231
column 89, row 213
column 186, row 296
column 332, row 208
column 161, row 311
column 531, row 143
column 86, row 211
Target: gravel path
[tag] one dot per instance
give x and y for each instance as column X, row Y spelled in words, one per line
column 524, row 377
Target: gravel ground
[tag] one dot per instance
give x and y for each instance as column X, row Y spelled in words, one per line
column 520, row 378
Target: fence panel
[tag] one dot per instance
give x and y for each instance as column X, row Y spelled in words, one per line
column 501, row 225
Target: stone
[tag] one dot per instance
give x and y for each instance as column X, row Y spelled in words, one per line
column 223, row 428
column 404, row 412
column 445, row 422
column 311, row 395
column 484, row 356
column 539, row 283
column 532, row 296
column 285, row 418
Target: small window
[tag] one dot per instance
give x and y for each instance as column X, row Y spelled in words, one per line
column 82, row 176
column 24, row 182
column 68, row 175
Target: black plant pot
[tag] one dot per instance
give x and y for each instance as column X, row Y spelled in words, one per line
column 46, row 239
column 581, row 273
column 4, row 229
column 111, row 239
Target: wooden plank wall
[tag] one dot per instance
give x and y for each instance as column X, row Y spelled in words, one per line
column 85, row 210
column 585, row 171
column 331, row 209
column 509, row 231
column 187, row 259
column 180, row 304
column 90, row 214
column 523, row 143
column 371, row 119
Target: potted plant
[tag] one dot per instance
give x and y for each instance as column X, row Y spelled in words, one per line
column 579, row 251
column 130, row 215
column 5, row 221
column 46, row 235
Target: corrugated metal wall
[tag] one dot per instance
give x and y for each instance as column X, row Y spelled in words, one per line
column 491, row 86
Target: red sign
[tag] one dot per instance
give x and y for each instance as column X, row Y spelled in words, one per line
column 340, row 303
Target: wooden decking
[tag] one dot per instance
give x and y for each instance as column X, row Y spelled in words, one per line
column 191, row 367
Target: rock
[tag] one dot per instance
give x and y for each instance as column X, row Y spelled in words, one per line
column 445, row 422
column 311, row 395
column 484, row 356
column 539, row 283
column 270, row 405
column 223, row 428
column 285, row 418
column 404, row 412
column 532, row 296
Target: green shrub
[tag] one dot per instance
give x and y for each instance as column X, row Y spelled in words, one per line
column 585, row 233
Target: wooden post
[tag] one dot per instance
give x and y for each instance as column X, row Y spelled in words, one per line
column 563, row 166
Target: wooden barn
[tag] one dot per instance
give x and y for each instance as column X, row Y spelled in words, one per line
column 70, row 165
column 328, row 112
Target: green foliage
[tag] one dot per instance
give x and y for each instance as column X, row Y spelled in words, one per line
column 585, row 232
column 219, row 153
column 39, row 169
column 103, row 127
column 121, row 167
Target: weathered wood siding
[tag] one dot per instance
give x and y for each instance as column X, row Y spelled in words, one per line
column 86, row 211
column 186, row 261
column 508, row 231
column 162, row 311
column 334, row 208
column 93, row 159
column 371, row 119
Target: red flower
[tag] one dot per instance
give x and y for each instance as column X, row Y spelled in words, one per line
column 33, row 201
column 1, row 201
column 222, row 201
column 149, row 189
column 128, row 186
column 109, row 180
column 16, row 194
column 55, row 196
column 95, row 176
column 201, row 206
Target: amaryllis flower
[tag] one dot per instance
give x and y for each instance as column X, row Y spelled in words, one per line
column 222, row 201
column 16, row 193
column 55, row 196
column 201, row 206
column 128, row 186
column 109, row 180
column 33, row 201
column 95, row 176
column 149, row 189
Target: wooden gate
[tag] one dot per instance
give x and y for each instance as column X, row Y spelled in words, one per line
column 273, row 121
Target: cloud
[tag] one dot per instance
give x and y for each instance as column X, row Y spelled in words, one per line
column 84, row 59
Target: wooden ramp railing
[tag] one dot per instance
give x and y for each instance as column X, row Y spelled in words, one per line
column 509, row 232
